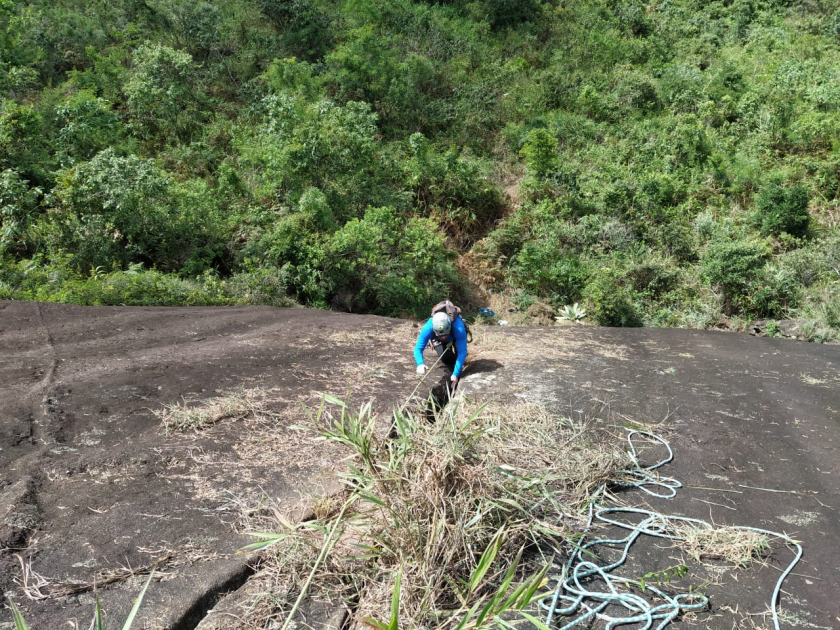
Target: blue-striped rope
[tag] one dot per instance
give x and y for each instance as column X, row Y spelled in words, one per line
column 576, row 595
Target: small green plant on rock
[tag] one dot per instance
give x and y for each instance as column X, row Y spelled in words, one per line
column 573, row 313
column 437, row 514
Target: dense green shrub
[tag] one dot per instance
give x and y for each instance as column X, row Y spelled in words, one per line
column 18, row 207
column 86, row 125
column 540, row 153
column 774, row 292
column 817, row 261
column 451, row 189
column 198, row 28
column 652, row 277
column 385, row 264
column 112, row 211
column 603, row 234
column 507, row 13
column 733, row 266
column 690, row 142
column 545, row 270
column 161, row 93
column 145, row 287
column 306, row 28
column 635, row 92
column 681, row 87
column 611, row 305
column 782, row 209
column 23, row 145
column 298, row 145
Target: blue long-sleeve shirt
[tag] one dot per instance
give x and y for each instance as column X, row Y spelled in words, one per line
column 459, row 331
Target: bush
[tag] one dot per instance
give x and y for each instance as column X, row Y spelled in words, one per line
column 142, row 287
column 819, row 260
column 162, row 94
column 651, row 277
column 388, row 265
column 603, row 233
column 782, row 210
column 86, row 126
column 292, row 246
column 23, row 145
column 611, row 305
column 304, row 26
column 681, row 87
column 635, row 92
column 113, row 211
column 263, row 286
column 299, row 145
column 775, row 292
column 540, row 153
column 690, row 143
column 544, row 269
column 18, row 205
column 508, row 13
column 733, row 266
column 451, row 189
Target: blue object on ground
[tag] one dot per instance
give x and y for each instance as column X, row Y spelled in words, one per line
column 486, row 312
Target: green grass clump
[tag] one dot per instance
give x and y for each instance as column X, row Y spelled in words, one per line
column 432, row 528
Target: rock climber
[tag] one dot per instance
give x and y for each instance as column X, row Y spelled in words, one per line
column 447, row 332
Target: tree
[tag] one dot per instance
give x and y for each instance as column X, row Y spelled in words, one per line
column 162, row 97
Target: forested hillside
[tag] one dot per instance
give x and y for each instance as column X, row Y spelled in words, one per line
column 670, row 163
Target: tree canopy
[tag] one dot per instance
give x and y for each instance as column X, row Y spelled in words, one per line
column 670, row 163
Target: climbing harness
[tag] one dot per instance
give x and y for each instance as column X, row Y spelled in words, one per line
column 586, row 591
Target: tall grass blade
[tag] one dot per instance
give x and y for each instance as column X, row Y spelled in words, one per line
column 536, row 622
column 394, row 624
column 97, row 615
column 486, row 560
column 20, row 622
column 130, row 619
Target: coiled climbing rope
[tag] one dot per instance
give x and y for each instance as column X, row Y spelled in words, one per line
column 586, row 591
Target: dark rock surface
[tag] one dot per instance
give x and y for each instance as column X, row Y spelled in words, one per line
column 90, row 485
column 755, row 429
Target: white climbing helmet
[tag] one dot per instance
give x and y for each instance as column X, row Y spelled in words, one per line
column 441, row 324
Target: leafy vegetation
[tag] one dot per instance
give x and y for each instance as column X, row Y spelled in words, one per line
column 671, row 163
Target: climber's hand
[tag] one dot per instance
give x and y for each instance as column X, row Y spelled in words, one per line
column 421, row 369
column 454, row 380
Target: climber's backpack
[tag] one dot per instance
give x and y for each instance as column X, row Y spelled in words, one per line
column 452, row 312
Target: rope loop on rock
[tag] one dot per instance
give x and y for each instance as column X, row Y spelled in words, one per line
column 586, row 591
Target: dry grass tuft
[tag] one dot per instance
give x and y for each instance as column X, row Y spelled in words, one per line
column 195, row 415
column 735, row 545
column 37, row 587
column 440, row 512
column 810, row 380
